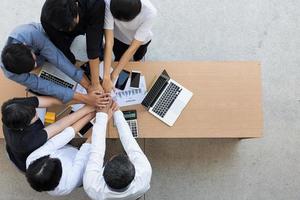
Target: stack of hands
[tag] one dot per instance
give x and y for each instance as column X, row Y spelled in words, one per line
column 100, row 96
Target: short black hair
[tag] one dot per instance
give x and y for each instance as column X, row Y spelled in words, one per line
column 119, row 172
column 125, row 10
column 44, row 173
column 17, row 115
column 17, row 58
column 60, row 14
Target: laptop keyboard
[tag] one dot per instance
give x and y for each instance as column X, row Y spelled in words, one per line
column 56, row 80
column 166, row 100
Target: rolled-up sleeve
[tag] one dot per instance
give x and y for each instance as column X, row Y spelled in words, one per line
column 144, row 31
column 109, row 19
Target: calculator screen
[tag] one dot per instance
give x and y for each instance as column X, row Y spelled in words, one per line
column 130, row 115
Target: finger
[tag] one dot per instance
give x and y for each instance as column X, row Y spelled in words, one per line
column 100, row 106
column 103, row 99
column 103, row 103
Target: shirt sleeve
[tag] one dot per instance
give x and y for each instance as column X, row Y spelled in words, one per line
column 74, row 179
column 52, row 145
column 109, row 19
column 28, row 101
column 137, row 157
column 41, row 86
column 94, row 33
column 144, row 31
column 94, row 170
column 55, row 56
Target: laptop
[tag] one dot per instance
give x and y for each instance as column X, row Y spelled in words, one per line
column 51, row 73
column 166, row 99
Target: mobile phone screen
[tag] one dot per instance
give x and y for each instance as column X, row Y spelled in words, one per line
column 122, row 80
column 135, row 79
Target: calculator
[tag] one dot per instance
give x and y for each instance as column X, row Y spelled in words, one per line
column 131, row 118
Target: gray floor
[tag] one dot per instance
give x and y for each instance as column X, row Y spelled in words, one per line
column 259, row 169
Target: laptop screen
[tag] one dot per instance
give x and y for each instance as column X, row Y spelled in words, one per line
column 156, row 89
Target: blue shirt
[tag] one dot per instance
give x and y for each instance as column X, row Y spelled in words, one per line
column 33, row 36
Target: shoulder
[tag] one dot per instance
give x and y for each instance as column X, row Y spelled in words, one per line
column 27, row 28
column 149, row 8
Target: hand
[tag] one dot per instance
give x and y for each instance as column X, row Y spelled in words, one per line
column 105, row 108
column 114, row 107
column 110, row 109
column 108, row 85
column 96, row 87
column 97, row 100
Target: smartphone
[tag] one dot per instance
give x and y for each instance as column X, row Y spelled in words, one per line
column 122, row 80
column 135, row 79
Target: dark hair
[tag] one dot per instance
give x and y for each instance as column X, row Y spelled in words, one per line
column 44, row 173
column 119, row 172
column 17, row 58
column 60, row 14
column 17, row 115
column 125, row 10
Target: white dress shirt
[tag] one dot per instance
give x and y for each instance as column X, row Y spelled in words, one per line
column 139, row 28
column 93, row 181
column 73, row 161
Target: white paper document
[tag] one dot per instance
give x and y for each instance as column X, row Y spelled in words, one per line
column 131, row 96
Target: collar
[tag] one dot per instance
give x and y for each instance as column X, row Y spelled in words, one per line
column 119, row 190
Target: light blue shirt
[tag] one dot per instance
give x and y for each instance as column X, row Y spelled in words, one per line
column 34, row 37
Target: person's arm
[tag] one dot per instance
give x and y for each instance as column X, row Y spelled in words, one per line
column 94, row 39
column 135, row 44
column 67, row 121
column 109, row 43
column 78, row 167
column 51, row 145
column 57, row 58
column 46, row 101
column 93, row 173
column 141, row 35
column 41, row 86
column 134, row 152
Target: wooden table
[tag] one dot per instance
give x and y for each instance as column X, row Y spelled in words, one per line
column 227, row 100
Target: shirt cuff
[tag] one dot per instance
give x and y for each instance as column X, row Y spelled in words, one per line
column 118, row 115
column 101, row 115
column 79, row 75
column 70, row 130
column 68, row 95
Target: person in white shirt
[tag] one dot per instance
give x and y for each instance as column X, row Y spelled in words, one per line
column 123, row 176
column 57, row 167
column 127, row 30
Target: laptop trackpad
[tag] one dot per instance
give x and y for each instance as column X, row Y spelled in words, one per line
column 178, row 106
